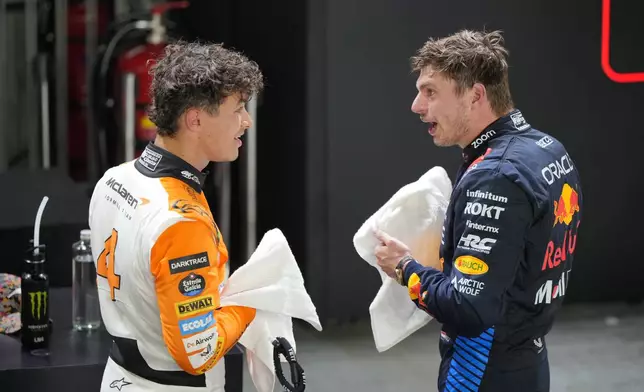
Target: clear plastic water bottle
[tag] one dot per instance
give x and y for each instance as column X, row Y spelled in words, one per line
column 86, row 312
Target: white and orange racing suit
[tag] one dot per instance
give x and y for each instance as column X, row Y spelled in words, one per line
column 160, row 261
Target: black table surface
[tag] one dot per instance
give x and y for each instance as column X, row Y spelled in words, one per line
column 67, row 347
column 71, row 351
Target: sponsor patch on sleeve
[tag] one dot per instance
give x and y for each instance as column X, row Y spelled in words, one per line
column 189, row 263
column 220, row 346
column 192, row 285
column 194, row 305
column 201, row 340
column 202, row 357
column 414, row 287
column 197, row 324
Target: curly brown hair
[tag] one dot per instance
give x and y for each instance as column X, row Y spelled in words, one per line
column 470, row 57
column 196, row 75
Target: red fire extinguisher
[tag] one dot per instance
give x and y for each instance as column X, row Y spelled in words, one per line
column 132, row 73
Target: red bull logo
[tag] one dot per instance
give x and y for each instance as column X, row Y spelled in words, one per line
column 413, row 285
column 557, row 254
column 566, row 206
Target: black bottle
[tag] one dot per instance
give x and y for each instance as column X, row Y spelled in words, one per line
column 34, row 314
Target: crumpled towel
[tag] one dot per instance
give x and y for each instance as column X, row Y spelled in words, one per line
column 272, row 283
column 414, row 215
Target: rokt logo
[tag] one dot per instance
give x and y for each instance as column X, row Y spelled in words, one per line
column 38, row 301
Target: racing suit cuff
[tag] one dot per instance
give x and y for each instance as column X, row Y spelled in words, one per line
column 410, row 268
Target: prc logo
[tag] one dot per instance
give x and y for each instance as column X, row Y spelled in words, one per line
column 567, row 205
column 38, row 301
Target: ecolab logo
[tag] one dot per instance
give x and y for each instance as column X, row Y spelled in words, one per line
column 476, row 208
column 483, row 138
column 557, row 169
column 197, row 324
column 547, row 292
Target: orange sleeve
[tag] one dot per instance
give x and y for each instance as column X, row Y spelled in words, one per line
column 197, row 331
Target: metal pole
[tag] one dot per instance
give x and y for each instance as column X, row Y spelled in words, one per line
column 61, row 91
column 129, row 119
column 44, row 107
column 251, row 180
column 91, row 42
column 3, row 86
column 31, row 100
column 223, row 193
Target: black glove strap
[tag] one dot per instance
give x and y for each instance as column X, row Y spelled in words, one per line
column 283, row 347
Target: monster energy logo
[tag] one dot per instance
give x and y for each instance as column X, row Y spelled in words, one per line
column 38, row 303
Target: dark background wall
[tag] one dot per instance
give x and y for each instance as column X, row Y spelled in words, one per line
column 337, row 136
column 274, row 35
column 364, row 142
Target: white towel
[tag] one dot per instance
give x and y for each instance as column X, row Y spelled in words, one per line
column 414, row 215
column 272, row 283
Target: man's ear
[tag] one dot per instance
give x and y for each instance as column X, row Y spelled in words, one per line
column 479, row 94
column 191, row 119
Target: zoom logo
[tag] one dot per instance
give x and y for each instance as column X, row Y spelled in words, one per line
column 197, row 324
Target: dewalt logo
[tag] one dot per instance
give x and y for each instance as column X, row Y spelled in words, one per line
column 194, row 306
column 38, row 301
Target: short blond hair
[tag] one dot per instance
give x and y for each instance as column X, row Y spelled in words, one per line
column 470, row 57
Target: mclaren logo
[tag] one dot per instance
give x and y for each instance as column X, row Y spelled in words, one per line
column 123, row 192
column 38, row 301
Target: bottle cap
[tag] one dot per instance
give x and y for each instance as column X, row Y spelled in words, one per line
column 86, row 234
column 36, row 257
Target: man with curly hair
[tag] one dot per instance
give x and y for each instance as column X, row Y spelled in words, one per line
column 510, row 231
column 159, row 255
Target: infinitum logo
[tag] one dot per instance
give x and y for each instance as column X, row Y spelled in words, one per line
column 38, row 301
column 486, row 195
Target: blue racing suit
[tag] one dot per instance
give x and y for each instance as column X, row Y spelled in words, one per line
column 509, row 239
